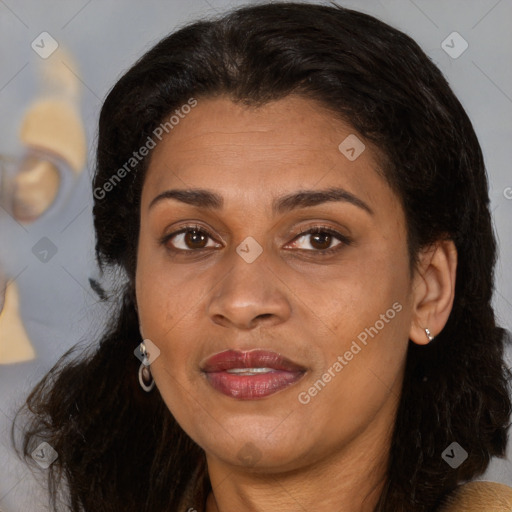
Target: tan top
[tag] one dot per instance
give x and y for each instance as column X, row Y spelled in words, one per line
column 479, row 497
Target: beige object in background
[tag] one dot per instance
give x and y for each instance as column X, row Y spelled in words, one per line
column 15, row 346
column 52, row 129
column 36, row 186
column 3, row 285
column 53, row 122
column 54, row 125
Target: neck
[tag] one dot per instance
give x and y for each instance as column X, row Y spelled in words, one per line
column 350, row 480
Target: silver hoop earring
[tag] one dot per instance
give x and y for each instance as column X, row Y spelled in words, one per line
column 429, row 335
column 146, row 381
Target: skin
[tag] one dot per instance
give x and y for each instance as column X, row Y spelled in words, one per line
column 331, row 453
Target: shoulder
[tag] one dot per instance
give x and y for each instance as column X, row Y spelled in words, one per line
column 479, row 497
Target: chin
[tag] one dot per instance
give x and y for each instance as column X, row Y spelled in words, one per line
column 258, row 446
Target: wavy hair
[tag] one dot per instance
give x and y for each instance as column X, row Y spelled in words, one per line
column 121, row 449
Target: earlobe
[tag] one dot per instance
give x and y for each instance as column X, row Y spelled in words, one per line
column 433, row 291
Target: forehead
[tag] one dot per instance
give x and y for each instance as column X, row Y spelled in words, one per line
column 283, row 145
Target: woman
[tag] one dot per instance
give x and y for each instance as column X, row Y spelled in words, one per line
column 298, row 206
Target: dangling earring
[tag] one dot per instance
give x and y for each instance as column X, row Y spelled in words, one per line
column 429, row 335
column 146, row 381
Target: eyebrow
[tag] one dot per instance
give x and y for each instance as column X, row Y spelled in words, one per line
column 207, row 199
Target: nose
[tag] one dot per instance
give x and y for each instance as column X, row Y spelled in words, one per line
column 250, row 295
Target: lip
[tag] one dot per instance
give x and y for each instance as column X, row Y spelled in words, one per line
column 276, row 372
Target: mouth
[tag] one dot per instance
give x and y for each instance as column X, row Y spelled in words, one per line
column 251, row 375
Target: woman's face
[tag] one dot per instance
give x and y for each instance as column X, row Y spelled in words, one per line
column 336, row 304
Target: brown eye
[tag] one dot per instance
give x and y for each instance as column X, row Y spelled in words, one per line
column 320, row 240
column 195, row 239
column 189, row 239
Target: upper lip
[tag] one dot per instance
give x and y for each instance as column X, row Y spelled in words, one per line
column 229, row 359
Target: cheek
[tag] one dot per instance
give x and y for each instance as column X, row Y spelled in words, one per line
column 363, row 363
column 366, row 289
column 369, row 312
column 162, row 296
column 168, row 299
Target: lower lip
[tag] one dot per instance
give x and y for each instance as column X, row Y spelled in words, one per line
column 251, row 387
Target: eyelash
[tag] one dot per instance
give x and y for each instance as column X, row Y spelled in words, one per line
column 311, row 231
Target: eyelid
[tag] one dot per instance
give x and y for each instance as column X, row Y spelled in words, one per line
column 319, row 228
column 183, row 229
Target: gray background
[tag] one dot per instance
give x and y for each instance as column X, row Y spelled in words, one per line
column 106, row 37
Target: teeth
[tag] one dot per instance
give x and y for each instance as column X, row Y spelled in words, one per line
column 249, row 371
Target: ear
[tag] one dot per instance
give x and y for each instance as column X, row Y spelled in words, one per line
column 433, row 290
